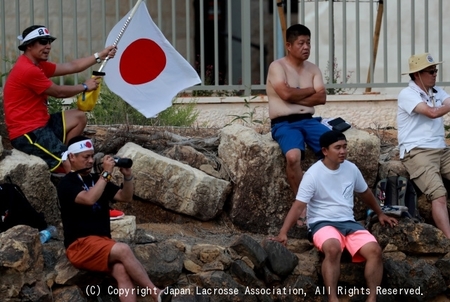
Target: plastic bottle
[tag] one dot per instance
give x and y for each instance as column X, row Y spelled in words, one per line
column 48, row 233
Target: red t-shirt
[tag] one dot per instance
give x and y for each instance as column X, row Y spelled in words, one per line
column 24, row 99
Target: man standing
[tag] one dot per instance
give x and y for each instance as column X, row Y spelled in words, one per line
column 327, row 188
column 294, row 87
column 31, row 129
column 84, row 199
column 421, row 135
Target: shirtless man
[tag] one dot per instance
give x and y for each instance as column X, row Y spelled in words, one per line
column 294, row 86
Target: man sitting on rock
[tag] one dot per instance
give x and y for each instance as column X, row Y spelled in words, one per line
column 421, row 135
column 327, row 188
column 84, row 200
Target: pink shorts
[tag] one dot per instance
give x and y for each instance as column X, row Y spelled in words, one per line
column 353, row 242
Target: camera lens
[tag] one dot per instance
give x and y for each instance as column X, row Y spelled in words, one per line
column 123, row 162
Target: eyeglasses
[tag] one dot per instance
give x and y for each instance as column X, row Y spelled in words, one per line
column 45, row 41
column 432, row 71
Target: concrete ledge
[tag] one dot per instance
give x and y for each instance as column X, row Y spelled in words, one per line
column 361, row 110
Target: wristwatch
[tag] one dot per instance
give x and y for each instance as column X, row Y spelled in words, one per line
column 97, row 58
column 106, row 176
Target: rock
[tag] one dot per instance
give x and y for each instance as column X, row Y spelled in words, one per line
column 245, row 245
column 31, row 174
column 191, row 266
column 412, row 238
column 174, row 185
column 163, row 262
column 189, row 156
column 257, row 168
column 281, row 261
column 426, row 284
column 364, row 151
column 123, row 229
column 21, row 262
column 443, row 265
column 220, row 287
column 306, row 290
column 70, row 293
column 240, row 270
column 206, row 252
column 143, row 237
column 259, row 200
column 307, row 265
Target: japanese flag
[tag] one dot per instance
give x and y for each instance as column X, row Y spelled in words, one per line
column 147, row 72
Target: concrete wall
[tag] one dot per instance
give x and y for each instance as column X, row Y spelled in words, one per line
column 363, row 111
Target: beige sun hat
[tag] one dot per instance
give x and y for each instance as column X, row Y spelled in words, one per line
column 420, row 62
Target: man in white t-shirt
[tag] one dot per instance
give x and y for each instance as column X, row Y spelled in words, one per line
column 327, row 188
column 421, row 136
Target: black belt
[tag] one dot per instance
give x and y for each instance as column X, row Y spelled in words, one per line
column 291, row 118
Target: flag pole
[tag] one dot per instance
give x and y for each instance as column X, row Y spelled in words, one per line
column 122, row 30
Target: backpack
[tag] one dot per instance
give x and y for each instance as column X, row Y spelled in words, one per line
column 15, row 209
column 397, row 197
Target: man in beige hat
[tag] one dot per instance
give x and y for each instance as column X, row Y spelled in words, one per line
column 421, row 137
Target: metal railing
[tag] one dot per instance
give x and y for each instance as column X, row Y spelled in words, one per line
column 358, row 44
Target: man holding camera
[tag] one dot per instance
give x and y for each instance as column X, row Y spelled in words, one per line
column 84, row 199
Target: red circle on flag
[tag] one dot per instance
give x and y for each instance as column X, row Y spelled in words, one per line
column 142, row 61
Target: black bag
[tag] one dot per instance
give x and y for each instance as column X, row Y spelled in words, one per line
column 397, row 197
column 15, row 209
column 338, row 124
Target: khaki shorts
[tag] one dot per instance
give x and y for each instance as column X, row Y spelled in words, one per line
column 91, row 253
column 427, row 167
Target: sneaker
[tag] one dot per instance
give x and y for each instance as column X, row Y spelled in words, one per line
column 165, row 295
column 115, row 214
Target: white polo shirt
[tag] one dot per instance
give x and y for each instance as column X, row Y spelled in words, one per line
column 418, row 130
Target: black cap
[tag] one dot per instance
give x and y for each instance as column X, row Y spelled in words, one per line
column 331, row 137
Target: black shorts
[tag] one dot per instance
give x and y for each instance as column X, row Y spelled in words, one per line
column 46, row 142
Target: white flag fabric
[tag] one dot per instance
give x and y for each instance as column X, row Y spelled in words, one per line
column 147, row 72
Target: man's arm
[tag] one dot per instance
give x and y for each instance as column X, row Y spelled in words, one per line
column 83, row 63
column 90, row 197
column 126, row 193
column 94, row 193
column 290, row 220
column 66, row 91
column 433, row 112
column 308, row 96
column 368, row 197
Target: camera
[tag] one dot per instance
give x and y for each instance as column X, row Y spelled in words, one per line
column 123, row 162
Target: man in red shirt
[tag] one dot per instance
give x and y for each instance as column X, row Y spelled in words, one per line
column 31, row 128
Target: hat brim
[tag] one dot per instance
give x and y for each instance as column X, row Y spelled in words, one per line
column 23, row 46
column 417, row 70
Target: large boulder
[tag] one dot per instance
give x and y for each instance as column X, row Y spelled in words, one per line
column 173, row 185
column 261, row 195
column 31, row 174
column 21, row 264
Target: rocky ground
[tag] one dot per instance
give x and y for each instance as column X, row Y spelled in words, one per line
column 164, row 223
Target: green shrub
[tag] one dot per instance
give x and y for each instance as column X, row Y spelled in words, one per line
column 111, row 109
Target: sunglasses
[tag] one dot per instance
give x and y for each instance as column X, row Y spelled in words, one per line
column 45, row 41
column 432, row 71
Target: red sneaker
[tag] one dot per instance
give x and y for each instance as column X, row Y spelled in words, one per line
column 115, row 214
